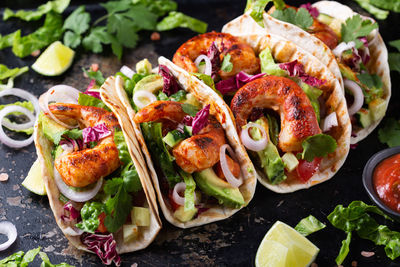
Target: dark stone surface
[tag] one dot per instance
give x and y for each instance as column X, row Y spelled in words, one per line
column 232, row 242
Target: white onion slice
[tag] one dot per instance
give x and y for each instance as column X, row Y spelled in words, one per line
column 23, row 94
column 358, row 96
column 128, row 72
column 143, row 94
column 23, row 126
column 329, row 122
column 179, row 188
column 208, row 67
column 232, row 180
column 340, row 48
column 7, row 140
column 75, row 195
column 59, row 94
column 8, row 229
column 249, row 142
column 73, row 231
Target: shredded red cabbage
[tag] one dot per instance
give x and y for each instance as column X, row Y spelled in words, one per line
column 70, row 213
column 94, row 134
column 76, row 144
column 187, row 120
column 312, row 10
column 213, row 53
column 91, row 92
column 235, row 83
column 104, row 246
column 200, row 120
column 364, row 51
column 170, row 86
column 296, row 69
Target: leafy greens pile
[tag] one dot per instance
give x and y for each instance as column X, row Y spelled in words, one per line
column 119, row 28
column 380, row 8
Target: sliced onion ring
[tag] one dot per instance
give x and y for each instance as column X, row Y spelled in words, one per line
column 208, row 67
column 179, row 188
column 74, row 195
column 8, row 229
column 143, row 94
column 358, row 96
column 59, row 94
column 232, row 180
column 340, row 48
column 128, row 72
column 329, row 122
column 23, row 94
column 73, row 231
column 249, row 142
column 7, row 140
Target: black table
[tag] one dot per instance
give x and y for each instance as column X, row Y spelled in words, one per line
column 232, row 242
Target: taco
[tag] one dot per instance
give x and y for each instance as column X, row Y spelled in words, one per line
column 347, row 43
column 291, row 117
column 101, row 196
column 199, row 169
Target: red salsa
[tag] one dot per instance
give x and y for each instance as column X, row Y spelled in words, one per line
column 386, row 181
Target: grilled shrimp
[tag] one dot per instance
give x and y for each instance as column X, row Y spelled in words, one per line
column 324, row 33
column 84, row 167
column 298, row 119
column 243, row 57
column 196, row 153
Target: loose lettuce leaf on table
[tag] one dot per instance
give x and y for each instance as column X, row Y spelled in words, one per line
column 57, row 6
column 178, row 19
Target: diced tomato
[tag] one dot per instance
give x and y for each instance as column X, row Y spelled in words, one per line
column 102, row 228
column 174, row 205
column 305, row 169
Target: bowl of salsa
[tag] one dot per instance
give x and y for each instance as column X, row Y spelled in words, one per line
column 381, row 179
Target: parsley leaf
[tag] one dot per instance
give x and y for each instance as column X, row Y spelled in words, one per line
column 355, row 27
column 57, row 6
column 50, row 32
column 227, row 65
column 390, row 133
column 301, row 18
column 178, row 19
column 318, row 145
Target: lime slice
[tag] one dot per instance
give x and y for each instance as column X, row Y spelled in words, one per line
column 34, row 181
column 55, row 60
column 271, row 253
column 300, row 251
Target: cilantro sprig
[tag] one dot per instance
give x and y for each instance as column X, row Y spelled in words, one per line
column 356, row 27
column 390, row 133
column 394, row 58
column 301, row 17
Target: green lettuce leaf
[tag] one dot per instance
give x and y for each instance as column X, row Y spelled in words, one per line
column 7, row 76
column 344, row 250
column 393, row 5
column 46, row 262
column 377, row 12
column 13, row 258
column 178, row 19
column 57, row 6
column 122, row 147
column 7, row 40
column 90, row 216
column 29, row 256
column 301, row 17
column 390, row 133
column 227, row 65
column 268, row 64
column 208, row 80
column 257, row 7
column 318, row 145
column 25, row 104
column 190, row 109
column 313, row 94
column 87, row 100
column 309, row 225
column 189, row 190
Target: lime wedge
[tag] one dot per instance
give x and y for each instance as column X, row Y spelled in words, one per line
column 55, row 60
column 34, row 181
column 300, row 251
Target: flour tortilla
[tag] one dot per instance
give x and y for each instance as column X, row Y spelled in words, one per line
column 284, row 50
column 43, row 150
column 378, row 63
column 221, row 111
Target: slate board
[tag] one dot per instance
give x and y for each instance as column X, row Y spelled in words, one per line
column 232, row 242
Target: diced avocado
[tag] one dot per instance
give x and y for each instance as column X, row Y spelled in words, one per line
column 188, row 130
column 130, row 232
column 174, row 137
column 143, row 67
column 50, row 128
column 184, row 216
column 290, row 161
column 58, row 151
column 140, row 216
column 214, row 186
column 364, row 117
column 377, row 108
column 347, row 72
column 326, row 19
column 152, row 83
column 269, row 157
column 191, row 99
column 336, row 26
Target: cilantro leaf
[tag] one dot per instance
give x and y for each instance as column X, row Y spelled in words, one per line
column 318, row 145
column 178, row 96
column 95, row 75
column 355, row 27
column 131, row 178
column 227, row 65
column 50, row 32
column 90, row 216
column 112, row 186
column 394, row 61
column 309, row 225
column 301, row 18
column 178, row 19
column 390, row 133
column 96, row 38
column 57, row 6
column 78, row 21
column 158, row 7
column 190, row 109
column 378, row 13
column 374, row 86
column 395, row 44
column 72, row 39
